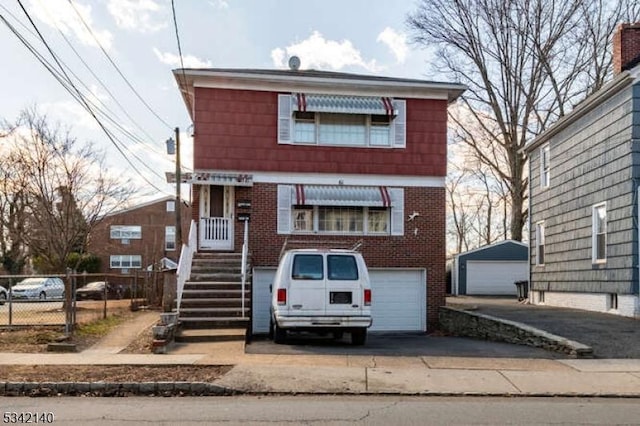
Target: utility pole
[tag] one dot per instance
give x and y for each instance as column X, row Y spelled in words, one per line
column 178, row 185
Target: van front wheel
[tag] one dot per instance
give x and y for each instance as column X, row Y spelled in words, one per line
column 358, row 337
column 279, row 335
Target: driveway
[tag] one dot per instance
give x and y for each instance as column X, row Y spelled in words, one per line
column 610, row 336
column 398, row 344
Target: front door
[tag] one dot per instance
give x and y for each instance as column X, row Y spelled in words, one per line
column 216, row 220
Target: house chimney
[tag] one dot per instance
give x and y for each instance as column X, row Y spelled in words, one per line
column 626, row 47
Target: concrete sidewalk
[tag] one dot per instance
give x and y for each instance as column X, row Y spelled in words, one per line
column 345, row 374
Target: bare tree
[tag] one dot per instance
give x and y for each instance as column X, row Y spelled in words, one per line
column 64, row 188
column 526, row 63
column 13, row 206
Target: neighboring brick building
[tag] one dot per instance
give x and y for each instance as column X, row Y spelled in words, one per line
column 139, row 236
column 325, row 158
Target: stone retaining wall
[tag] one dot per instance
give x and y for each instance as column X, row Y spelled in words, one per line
column 470, row 324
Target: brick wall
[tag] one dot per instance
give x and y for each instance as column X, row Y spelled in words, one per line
column 153, row 218
column 626, row 47
column 422, row 249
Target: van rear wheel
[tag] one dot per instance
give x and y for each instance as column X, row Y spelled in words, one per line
column 279, row 335
column 358, row 337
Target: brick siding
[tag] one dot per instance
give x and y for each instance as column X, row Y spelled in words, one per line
column 424, row 249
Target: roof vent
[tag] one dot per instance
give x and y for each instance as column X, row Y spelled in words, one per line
column 294, row 63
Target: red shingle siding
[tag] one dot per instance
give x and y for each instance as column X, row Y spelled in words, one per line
column 426, row 249
column 237, row 130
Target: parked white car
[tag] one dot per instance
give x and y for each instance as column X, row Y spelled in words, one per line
column 38, row 289
column 321, row 291
column 3, row 295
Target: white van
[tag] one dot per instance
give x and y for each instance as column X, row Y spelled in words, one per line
column 321, row 291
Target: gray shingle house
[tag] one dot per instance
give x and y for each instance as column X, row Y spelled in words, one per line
column 584, row 182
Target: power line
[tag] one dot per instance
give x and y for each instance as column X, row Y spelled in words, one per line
column 116, row 66
column 115, row 99
column 115, row 122
column 175, row 25
column 66, row 82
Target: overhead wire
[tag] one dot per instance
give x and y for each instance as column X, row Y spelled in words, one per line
column 115, row 99
column 68, row 84
column 104, row 51
column 175, row 25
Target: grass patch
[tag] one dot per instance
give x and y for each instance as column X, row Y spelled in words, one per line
column 100, row 327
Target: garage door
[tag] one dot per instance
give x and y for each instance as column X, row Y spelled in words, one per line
column 494, row 277
column 398, row 299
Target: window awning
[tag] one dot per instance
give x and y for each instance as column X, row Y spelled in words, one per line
column 337, row 195
column 202, row 177
column 343, row 104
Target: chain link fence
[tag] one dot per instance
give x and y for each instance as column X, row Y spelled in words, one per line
column 66, row 300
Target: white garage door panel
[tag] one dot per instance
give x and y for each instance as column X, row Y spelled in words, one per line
column 262, row 278
column 495, row 278
column 398, row 299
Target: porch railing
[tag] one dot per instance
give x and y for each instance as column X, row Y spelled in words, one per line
column 184, row 264
column 215, row 232
column 245, row 254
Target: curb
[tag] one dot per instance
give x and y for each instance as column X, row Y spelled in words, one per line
column 177, row 389
column 111, row 389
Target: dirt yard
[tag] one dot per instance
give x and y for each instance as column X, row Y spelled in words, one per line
column 90, row 331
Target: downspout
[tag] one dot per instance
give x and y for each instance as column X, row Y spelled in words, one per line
column 530, row 293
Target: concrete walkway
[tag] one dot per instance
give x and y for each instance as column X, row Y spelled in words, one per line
column 342, row 373
column 124, row 334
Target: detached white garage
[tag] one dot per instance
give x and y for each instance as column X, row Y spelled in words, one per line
column 399, row 299
column 491, row 270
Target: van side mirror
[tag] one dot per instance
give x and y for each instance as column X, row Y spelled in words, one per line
column 270, row 288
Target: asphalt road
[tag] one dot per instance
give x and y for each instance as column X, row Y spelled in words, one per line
column 329, row 410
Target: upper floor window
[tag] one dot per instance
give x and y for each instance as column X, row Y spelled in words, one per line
column 540, row 243
column 126, row 232
column 171, row 206
column 341, row 120
column 599, row 233
column 545, row 168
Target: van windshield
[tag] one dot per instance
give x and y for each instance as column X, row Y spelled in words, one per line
column 307, row 267
column 342, row 267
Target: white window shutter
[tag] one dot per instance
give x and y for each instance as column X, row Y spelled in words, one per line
column 400, row 124
column 285, row 120
column 397, row 210
column 284, row 209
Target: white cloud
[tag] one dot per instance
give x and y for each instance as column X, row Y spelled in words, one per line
column 318, row 52
column 138, row 15
column 61, row 14
column 189, row 61
column 396, row 42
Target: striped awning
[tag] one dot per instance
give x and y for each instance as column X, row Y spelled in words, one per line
column 343, row 104
column 339, row 195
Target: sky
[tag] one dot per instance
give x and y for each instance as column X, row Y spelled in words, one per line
column 359, row 36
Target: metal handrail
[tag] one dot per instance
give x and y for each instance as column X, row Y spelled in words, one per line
column 184, row 264
column 245, row 254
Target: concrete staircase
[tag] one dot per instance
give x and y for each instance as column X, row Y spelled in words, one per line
column 211, row 308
